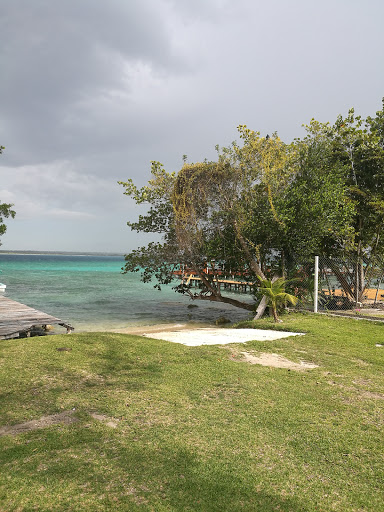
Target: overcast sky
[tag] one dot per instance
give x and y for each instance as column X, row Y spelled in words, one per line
column 92, row 90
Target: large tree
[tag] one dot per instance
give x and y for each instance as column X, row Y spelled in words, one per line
column 237, row 214
column 206, row 213
column 6, row 210
column 263, row 206
column 355, row 152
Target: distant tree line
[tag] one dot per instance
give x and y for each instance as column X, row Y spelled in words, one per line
column 263, row 206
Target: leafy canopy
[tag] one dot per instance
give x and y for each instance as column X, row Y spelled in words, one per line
column 263, row 206
column 6, row 210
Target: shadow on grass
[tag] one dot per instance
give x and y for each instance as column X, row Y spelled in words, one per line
column 80, row 469
column 89, row 366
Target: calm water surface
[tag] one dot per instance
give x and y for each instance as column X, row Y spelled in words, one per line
column 91, row 294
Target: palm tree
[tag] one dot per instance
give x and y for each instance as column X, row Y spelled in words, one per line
column 274, row 291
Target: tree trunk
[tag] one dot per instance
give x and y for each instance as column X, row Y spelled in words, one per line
column 342, row 280
column 361, row 280
column 274, row 313
column 255, row 268
column 251, row 260
column 226, row 300
column 210, row 286
column 359, row 285
column 216, row 296
column 378, row 287
column 283, row 269
column 263, row 304
column 261, row 308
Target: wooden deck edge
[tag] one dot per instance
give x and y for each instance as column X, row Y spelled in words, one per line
column 17, row 319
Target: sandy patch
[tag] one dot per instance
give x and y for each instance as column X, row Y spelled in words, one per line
column 110, row 422
column 369, row 394
column 64, row 418
column 217, row 336
column 276, row 361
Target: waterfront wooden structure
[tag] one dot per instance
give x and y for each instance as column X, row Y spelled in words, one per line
column 241, row 286
column 17, row 319
column 192, row 279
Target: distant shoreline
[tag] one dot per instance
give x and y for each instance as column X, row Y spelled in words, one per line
column 62, row 253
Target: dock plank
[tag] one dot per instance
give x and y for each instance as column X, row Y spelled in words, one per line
column 16, row 318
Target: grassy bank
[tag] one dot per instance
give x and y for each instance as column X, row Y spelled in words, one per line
column 162, row 427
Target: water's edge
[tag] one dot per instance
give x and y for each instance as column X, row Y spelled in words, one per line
column 91, row 293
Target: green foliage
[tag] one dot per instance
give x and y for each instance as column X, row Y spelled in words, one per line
column 6, row 210
column 319, row 212
column 205, row 213
column 274, row 291
column 264, row 206
column 355, row 152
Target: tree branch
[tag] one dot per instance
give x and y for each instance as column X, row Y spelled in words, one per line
column 226, row 300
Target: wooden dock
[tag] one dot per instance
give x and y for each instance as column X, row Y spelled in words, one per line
column 242, row 286
column 18, row 319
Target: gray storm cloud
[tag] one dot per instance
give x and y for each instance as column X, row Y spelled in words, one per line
column 92, row 91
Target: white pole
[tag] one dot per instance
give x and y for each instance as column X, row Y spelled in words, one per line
column 316, row 289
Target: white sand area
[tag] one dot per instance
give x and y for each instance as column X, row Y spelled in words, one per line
column 217, row 336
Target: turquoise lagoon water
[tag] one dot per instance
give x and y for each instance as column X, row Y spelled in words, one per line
column 91, row 293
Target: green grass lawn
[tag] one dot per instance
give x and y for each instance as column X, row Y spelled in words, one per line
column 193, row 428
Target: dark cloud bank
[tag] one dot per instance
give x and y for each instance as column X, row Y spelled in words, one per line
column 92, row 91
